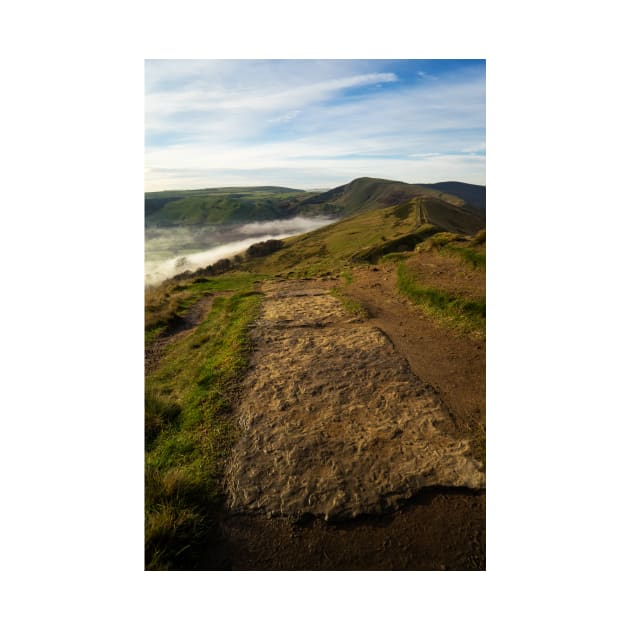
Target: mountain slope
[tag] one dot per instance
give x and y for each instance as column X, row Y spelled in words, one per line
column 473, row 195
column 368, row 235
column 220, row 206
column 368, row 193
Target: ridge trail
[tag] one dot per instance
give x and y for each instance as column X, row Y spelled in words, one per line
column 335, row 423
column 335, row 469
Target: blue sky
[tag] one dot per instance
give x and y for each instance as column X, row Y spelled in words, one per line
column 312, row 124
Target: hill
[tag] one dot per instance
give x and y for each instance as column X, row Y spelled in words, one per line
column 473, row 195
column 367, row 193
column 367, row 236
column 219, row 206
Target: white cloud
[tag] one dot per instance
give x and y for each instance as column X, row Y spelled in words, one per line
column 235, row 121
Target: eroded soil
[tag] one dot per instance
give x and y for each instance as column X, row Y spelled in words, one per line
column 453, row 364
column 335, row 424
column 367, row 424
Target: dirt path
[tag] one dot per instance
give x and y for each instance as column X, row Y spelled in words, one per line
column 350, row 458
column 335, row 424
column 454, row 365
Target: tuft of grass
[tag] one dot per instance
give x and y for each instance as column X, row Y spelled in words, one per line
column 470, row 251
column 189, row 399
column 159, row 413
column 347, row 276
column 444, row 238
column 466, row 315
column 476, row 259
column 351, row 306
column 480, row 238
column 394, row 257
column 167, row 303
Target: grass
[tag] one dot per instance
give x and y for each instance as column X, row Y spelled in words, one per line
column 394, row 257
column 351, row 306
column 360, row 238
column 471, row 251
column 475, row 259
column 188, row 431
column 221, row 206
column 347, row 276
column 167, row 303
column 398, row 244
column 466, row 315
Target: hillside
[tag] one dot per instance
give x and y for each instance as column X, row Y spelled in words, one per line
column 322, row 406
column 367, row 236
column 473, row 195
column 221, row 206
column 367, row 193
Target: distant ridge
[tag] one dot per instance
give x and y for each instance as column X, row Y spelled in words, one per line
column 472, row 194
column 453, row 206
column 226, row 190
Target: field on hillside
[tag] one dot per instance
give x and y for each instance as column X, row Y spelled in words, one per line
column 220, row 206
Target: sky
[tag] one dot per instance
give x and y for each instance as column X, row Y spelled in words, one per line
column 312, row 124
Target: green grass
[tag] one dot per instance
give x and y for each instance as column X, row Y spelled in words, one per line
column 329, row 249
column 221, row 206
column 398, row 244
column 351, row 306
column 475, row 259
column 466, row 315
column 347, row 276
column 188, row 430
column 394, row 257
column 167, row 303
column 471, row 251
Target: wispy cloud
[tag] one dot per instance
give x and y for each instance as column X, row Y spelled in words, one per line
column 331, row 120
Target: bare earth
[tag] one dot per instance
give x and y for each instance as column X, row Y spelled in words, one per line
column 335, row 423
column 355, row 446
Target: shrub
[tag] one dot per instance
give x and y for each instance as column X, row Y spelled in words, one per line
column 264, row 248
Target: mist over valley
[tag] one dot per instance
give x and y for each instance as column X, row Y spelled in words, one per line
column 172, row 250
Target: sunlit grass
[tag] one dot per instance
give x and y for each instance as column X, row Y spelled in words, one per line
column 189, row 432
column 459, row 312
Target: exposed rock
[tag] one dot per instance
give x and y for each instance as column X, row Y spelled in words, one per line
column 334, row 421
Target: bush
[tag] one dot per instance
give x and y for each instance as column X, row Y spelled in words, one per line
column 264, row 248
column 222, row 265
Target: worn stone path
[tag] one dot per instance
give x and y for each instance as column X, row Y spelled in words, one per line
column 335, row 423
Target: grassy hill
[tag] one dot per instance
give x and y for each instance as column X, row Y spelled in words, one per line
column 367, row 236
column 367, row 193
column 220, row 206
column 473, row 195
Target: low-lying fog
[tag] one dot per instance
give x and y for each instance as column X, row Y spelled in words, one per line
column 169, row 251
